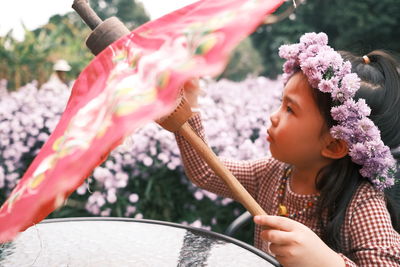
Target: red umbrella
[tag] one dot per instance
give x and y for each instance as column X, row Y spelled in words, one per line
column 131, row 82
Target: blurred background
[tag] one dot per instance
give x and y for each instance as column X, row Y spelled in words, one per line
column 144, row 177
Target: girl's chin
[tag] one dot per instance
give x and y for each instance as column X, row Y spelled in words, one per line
column 274, row 152
column 276, row 155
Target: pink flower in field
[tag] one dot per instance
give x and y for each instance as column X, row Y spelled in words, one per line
column 111, row 195
column 105, row 212
column 234, row 128
column 82, row 189
column 130, row 210
column 196, row 223
column 226, row 201
column 2, row 177
column 139, row 216
column 147, row 161
column 133, row 198
column 198, row 195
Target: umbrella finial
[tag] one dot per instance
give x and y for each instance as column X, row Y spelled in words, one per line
column 104, row 32
column 86, row 13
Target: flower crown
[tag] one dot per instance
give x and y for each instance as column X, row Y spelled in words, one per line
column 327, row 71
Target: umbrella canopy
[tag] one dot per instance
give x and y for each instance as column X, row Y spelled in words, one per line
column 133, row 81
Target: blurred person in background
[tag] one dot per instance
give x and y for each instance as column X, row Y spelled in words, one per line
column 58, row 77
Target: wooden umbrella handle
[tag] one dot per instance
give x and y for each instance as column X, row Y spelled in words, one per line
column 177, row 122
column 104, row 33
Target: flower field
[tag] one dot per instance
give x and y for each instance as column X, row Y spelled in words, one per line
column 144, row 177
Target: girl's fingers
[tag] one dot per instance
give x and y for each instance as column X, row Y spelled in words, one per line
column 191, row 92
column 276, row 236
column 192, row 84
column 279, row 250
column 275, row 222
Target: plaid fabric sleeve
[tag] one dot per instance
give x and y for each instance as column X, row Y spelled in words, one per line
column 203, row 176
column 374, row 242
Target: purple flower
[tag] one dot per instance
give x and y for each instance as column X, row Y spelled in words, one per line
column 147, row 161
column 309, row 68
column 314, row 38
column 351, row 83
column 289, row 51
column 288, row 66
column 389, row 182
column 365, row 130
column 133, row 198
column 340, row 113
column 378, row 165
column 349, row 86
column 333, row 59
column 362, row 108
column 341, row 132
column 346, row 68
column 130, row 210
column 327, row 86
column 355, row 110
column 359, row 153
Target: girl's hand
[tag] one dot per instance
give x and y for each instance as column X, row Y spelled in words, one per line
column 294, row 244
column 191, row 91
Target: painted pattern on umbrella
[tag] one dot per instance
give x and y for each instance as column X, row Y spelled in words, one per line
column 133, row 81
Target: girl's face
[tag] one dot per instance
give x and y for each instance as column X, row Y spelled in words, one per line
column 298, row 130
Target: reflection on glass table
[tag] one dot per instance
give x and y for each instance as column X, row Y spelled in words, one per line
column 126, row 242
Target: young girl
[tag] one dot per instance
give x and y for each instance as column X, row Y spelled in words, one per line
column 332, row 143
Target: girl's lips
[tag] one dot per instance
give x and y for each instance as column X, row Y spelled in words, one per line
column 269, row 137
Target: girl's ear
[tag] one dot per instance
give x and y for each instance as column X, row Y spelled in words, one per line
column 335, row 149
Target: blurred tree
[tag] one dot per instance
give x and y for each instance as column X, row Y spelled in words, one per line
column 5, row 55
column 244, row 61
column 357, row 26
column 68, row 34
column 24, row 61
column 62, row 37
column 131, row 13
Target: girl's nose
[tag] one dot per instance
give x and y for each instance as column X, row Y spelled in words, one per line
column 274, row 119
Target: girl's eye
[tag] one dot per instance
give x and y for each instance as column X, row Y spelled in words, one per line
column 289, row 109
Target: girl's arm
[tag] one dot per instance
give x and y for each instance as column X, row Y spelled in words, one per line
column 247, row 172
column 373, row 241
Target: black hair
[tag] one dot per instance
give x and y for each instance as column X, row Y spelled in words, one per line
column 338, row 182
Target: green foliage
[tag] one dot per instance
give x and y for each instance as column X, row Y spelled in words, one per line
column 24, row 61
column 132, row 14
column 67, row 34
column 62, row 37
column 164, row 195
column 244, row 61
column 357, row 26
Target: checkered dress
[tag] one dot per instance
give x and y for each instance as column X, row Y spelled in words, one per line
column 368, row 235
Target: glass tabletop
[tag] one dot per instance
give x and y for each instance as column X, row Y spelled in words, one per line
column 126, row 242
